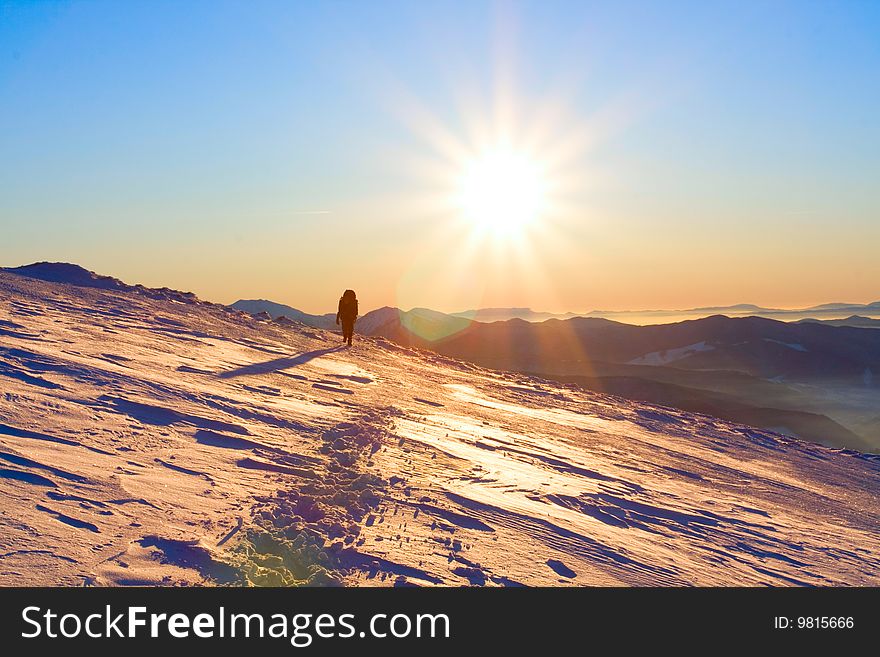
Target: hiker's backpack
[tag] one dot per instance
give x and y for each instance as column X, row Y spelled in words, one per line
column 349, row 304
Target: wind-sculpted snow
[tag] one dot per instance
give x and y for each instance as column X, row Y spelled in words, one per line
column 146, row 438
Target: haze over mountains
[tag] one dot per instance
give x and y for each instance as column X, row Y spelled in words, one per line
column 853, row 320
column 822, row 311
column 827, row 311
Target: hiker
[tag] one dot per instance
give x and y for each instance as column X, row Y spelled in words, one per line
column 348, row 312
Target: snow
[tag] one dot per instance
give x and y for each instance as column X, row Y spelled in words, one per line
column 155, row 439
column 671, row 355
column 791, row 345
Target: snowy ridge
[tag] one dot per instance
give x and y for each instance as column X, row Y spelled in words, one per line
column 148, row 441
column 69, row 274
column 671, row 355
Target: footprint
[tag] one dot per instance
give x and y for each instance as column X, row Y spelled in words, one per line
column 28, row 463
column 69, row 520
column 475, row 576
column 66, row 497
column 193, row 370
column 27, row 477
column 263, row 390
column 561, row 569
column 214, row 439
column 428, row 402
column 356, row 379
column 187, row 471
column 321, row 386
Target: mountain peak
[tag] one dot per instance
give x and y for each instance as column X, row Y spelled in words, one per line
column 66, row 272
column 72, row 274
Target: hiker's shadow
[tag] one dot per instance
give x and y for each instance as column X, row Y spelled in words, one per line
column 277, row 364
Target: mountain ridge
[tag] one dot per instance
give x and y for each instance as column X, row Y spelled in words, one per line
column 489, row 315
column 611, row 355
column 145, row 441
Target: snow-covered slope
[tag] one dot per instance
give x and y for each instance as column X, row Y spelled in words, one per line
column 152, row 438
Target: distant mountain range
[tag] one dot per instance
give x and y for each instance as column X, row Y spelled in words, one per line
column 504, row 314
column 765, row 348
column 431, row 324
column 823, row 311
column 826, row 310
column 487, row 315
column 810, row 379
column 806, row 351
column 817, row 379
column 276, row 310
column 755, row 345
column 854, row 320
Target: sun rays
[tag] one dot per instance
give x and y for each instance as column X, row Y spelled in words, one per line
column 496, row 181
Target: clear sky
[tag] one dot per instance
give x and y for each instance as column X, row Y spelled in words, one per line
column 654, row 154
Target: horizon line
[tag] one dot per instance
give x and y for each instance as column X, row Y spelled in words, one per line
column 594, row 311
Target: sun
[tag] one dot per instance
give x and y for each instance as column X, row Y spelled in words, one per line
column 501, row 191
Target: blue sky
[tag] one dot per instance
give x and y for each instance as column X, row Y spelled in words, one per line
column 244, row 149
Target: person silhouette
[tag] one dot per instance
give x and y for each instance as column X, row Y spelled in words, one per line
column 347, row 314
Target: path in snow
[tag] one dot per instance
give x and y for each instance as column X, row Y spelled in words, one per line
column 149, row 440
